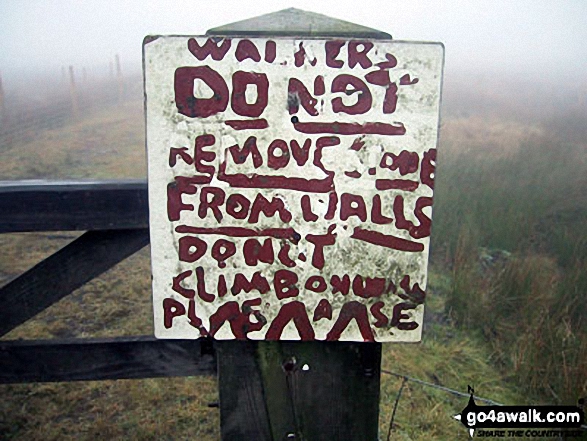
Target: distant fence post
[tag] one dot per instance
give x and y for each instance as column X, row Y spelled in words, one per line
column 120, row 80
column 73, row 94
column 2, row 103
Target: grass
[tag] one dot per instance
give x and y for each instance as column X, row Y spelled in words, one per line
column 506, row 301
column 513, row 225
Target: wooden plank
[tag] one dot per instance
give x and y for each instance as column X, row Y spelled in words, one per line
column 72, row 205
column 301, row 390
column 77, row 263
column 103, row 359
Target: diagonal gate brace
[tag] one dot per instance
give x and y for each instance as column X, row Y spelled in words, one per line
column 63, row 272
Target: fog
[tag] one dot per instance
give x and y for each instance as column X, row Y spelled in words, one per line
column 532, row 40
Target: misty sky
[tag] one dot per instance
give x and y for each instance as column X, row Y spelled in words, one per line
column 522, row 37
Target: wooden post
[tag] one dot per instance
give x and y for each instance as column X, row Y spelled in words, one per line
column 73, row 94
column 2, row 103
column 311, row 391
column 119, row 79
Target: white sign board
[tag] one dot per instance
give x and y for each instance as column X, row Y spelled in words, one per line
column 290, row 186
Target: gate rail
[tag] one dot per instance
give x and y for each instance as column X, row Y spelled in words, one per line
column 114, row 216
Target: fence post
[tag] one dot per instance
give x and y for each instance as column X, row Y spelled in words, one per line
column 119, row 79
column 73, row 94
column 289, row 390
column 2, row 103
column 313, row 391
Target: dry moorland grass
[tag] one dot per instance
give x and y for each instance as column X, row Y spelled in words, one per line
column 110, row 145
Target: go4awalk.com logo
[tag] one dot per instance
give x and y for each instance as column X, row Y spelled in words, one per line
column 522, row 421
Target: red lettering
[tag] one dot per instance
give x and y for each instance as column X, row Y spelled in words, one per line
column 398, row 316
column 254, row 252
column 270, row 51
column 323, row 310
column 222, row 250
column 268, row 209
column 414, row 294
column 376, row 216
column 319, row 87
column 176, row 285
column 300, row 57
column 247, row 49
column 417, row 232
column 357, row 56
column 221, row 287
column 332, row 204
column 283, row 255
column 298, row 94
column 316, row 284
column 284, row 282
column 352, row 205
column 194, row 320
column 176, row 189
column 295, row 311
column 240, row 81
column 340, row 285
column 407, row 81
column 307, row 209
column 171, row 309
column 247, row 310
column 349, row 311
column 238, row 206
column 400, row 219
column 201, row 285
column 323, row 142
column 364, row 99
column 275, row 161
column 333, row 48
column 211, row 47
column 240, row 323
column 300, row 154
column 239, row 156
column 381, row 319
column 181, row 152
column 186, row 244
column 423, row 230
column 191, row 106
column 213, row 204
column 201, row 155
column 371, row 287
column 381, row 78
column 320, row 241
column 257, row 282
column 406, row 162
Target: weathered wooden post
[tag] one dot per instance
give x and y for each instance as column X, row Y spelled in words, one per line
column 120, row 80
column 73, row 94
column 2, row 103
column 291, row 167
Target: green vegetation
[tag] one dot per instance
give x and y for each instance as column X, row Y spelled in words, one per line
column 507, row 299
column 514, row 227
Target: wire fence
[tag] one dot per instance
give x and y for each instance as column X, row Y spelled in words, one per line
column 448, row 390
column 45, row 104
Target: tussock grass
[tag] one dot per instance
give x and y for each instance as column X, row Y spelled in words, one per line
column 528, row 205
